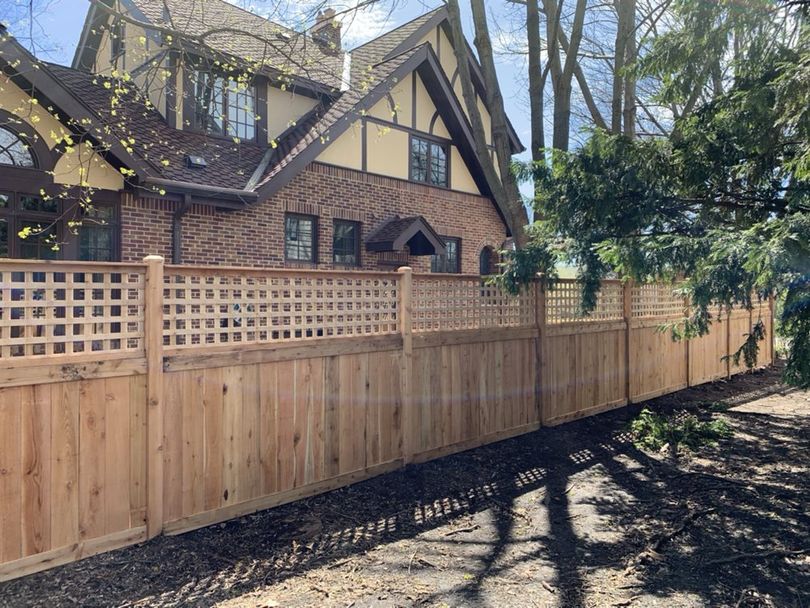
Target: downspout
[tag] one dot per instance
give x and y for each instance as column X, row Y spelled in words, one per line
column 177, row 229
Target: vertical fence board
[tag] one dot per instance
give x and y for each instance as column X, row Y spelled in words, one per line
column 11, row 474
column 36, row 467
column 65, row 465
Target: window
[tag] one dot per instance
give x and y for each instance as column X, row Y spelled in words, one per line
column 346, row 243
column 96, row 235
column 14, row 151
column 429, row 162
column 300, row 238
column 46, row 220
column 223, row 106
column 486, row 261
column 450, row 262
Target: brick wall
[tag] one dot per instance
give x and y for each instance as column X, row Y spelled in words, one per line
column 255, row 236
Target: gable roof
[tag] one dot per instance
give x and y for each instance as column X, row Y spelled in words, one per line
column 246, row 171
column 414, row 232
column 228, row 29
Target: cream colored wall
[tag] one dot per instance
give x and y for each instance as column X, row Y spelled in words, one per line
column 387, row 151
column 346, row 150
column 16, row 101
column 82, row 165
column 425, row 108
column 460, row 176
column 284, row 108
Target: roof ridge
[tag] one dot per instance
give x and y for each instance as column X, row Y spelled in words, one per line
column 399, row 27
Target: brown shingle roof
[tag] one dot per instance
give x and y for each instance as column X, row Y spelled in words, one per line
column 228, row 29
column 230, row 165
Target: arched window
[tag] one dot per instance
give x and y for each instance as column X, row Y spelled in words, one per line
column 486, row 261
column 14, row 151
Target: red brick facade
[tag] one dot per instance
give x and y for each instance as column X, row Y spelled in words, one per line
column 255, row 236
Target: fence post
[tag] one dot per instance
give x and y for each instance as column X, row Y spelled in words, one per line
column 687, row 307
column 728, row 343
column 409, row 415
column 772, row 328
column 627, row 307
column 540, row 321
column 153, row 330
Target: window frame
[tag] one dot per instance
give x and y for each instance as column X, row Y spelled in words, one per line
column 431, row 141
column 190, row 116
column 315, row 228
column 70, row 244
column 448, row 239
column 357, row 241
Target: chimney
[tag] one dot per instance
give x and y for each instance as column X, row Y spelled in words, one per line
column 326, row 32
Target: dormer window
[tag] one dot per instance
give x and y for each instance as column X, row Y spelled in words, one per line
column 223, row 106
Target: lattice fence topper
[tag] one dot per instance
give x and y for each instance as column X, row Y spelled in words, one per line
column 657, row 300
column 70, row 309
column 453, row 303
column 215, row 306
column 564, row 303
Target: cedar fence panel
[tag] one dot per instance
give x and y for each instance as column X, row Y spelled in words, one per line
column 145, row 399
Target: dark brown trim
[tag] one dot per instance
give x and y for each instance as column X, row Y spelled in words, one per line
column 406, row 129
column 433, row 122
column 414, row 113
column 364, row 144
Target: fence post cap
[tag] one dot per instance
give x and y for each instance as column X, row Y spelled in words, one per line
column 154, row 259
column 404, row 269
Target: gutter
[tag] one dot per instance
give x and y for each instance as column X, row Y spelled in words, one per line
column 237, row 198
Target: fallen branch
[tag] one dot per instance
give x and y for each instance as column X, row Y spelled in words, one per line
column 757, row 554
column 463, row 530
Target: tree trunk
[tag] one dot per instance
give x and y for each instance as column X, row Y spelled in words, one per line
column 618, row 68
column 562, row 93
column 630, row 56
column 508, row 193
column 536, row 81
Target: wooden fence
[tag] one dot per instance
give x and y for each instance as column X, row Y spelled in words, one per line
column 145, row 399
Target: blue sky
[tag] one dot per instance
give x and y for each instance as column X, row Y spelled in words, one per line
column 57, row 32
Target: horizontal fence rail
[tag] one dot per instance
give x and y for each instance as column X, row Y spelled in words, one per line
column 140, row 399
column 48, row 309
column 213, row 306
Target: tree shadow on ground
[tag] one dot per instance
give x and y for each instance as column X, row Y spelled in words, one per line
column 655, row 528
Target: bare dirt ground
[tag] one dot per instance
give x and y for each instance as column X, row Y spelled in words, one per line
column 572, row 516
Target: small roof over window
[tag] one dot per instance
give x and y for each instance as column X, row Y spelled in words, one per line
column 414, row 232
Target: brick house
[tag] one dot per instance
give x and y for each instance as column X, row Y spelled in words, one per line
column 210, row 135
